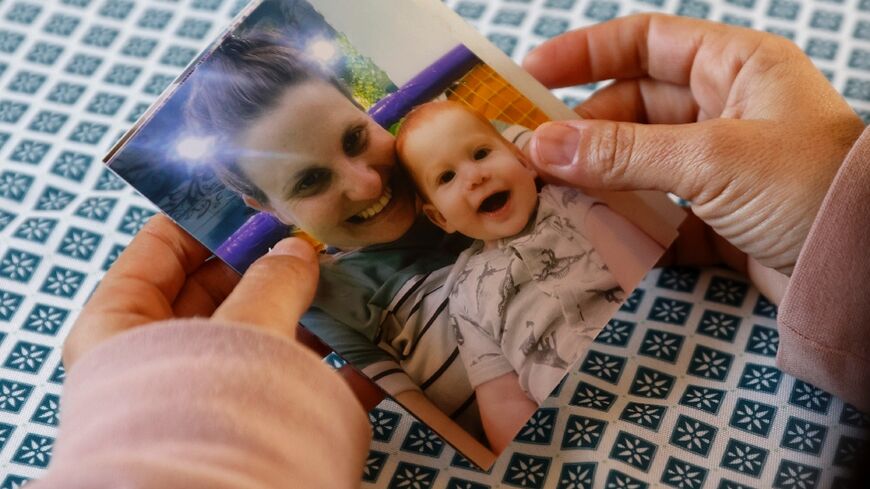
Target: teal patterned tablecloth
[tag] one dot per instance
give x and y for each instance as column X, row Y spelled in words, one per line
column 679, row 391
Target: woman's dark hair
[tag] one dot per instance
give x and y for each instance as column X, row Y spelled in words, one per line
column 240, row 82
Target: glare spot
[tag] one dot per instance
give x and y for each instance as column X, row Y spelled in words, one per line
column 195, row 148
column 323, row 51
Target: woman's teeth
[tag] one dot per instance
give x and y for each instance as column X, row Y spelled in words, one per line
column 378, row 206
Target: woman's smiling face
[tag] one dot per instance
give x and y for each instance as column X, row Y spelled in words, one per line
column 327, row 168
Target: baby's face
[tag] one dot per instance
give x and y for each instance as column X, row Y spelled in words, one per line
column 474, row 181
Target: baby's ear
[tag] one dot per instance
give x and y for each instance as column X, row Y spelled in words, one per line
column 437, row 218
column 525, row 160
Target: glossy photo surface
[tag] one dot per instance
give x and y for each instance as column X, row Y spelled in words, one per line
column 450, row 274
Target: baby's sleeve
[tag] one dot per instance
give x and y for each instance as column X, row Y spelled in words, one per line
column 480, row 351
column 482, row 356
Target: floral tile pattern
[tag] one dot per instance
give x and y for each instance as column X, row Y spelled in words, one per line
column 680, row 389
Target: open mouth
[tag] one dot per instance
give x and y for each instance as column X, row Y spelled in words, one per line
column 494, row 202
column 374, row 209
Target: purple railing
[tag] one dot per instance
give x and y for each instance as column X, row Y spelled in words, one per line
column 427, row 85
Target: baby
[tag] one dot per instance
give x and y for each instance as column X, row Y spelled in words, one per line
column 532, row 292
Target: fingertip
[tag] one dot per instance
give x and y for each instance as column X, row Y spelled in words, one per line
column 294, row 247
column 545, row 65
column 534, row 62
column 275, row 290
column 300, row 249
column 158, row 219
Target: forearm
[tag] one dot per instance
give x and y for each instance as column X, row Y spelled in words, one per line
column 504, row 409
column 417, row 402
column 824, row 314
column 194, row 404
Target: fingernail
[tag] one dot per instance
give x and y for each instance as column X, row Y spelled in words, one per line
column 555, row 144
column 292, row 247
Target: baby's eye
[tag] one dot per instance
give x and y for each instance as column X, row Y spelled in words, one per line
column 311, row 181
column 446, row 177
column 481, row 153
column 354, row 141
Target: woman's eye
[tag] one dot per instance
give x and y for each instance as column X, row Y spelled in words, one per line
column 446, row 177
column 354, row 141
column 481, row 153
column 311, row 181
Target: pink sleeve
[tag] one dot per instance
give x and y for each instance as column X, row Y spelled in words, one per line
column 200, row 405
column 824, row 318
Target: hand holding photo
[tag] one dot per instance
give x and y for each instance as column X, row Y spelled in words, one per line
column 392, row 135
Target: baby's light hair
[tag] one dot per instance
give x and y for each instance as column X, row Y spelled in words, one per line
column 419, row 115
column 422, row 113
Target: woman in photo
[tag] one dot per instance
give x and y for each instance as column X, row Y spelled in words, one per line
column 294, row 144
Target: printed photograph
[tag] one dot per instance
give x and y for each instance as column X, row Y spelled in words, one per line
column 451, row 275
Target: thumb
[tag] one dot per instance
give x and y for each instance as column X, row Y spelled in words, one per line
column 683, row 159
column 275, row 290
